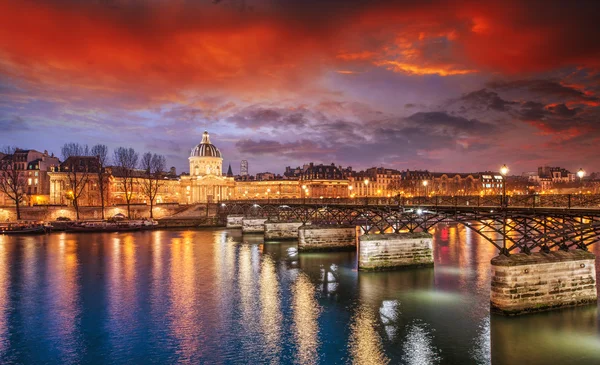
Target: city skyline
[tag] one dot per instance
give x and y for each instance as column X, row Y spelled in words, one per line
column 459, row 87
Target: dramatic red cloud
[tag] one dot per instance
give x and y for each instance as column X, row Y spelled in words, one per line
column 170, row 47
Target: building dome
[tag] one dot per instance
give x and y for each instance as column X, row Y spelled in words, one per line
column 205, row 148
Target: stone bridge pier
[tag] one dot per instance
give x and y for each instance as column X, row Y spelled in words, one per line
column 253, row 225
column 326, row 238
column 275, row 231
column 540, row 281
column 390, row 251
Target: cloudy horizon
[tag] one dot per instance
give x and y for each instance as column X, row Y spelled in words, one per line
column 453, row 86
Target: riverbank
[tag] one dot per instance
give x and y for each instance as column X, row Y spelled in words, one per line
column 138, row 211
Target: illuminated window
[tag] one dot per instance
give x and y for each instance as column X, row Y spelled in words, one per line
column 29, row 181
column 36, row 181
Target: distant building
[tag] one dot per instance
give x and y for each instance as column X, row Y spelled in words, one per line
column 556, row 174
column 244, row 168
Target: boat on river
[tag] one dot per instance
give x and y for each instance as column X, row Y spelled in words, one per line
column 23, row 228
column 112, row 226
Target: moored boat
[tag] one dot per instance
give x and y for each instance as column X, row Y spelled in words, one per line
column 23, row 228
column 112, row 226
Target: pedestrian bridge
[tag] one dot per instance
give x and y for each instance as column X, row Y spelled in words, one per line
column 524, row 223
column 542, row 241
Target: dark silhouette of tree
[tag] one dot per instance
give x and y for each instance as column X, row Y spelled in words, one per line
column 12, row 180
column 77, row 166
column 100, row 151
column 126, row 159
column 154, row 176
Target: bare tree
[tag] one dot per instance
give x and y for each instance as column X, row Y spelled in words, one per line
column 100, row 151
column 12, row 180
column 154, row 169
column 126, row 159
column 76, row 165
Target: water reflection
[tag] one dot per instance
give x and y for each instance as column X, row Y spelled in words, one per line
column 271, row 318
column 122, row 291
column 184, row 324
column 248, row 288
column 306, row 314
column 63, row 299
column 215, row 296
column 534, row 338
column 419, row 347
column 4, row 295
column 365, row 343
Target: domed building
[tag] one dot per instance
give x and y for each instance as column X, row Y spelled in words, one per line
column 206, row 182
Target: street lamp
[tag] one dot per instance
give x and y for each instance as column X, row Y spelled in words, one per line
column 504, row 172
column 350, row 190
column 425, row 183
column 580, row 174
column 268, row 191
column 366, row 191
column 303, row 193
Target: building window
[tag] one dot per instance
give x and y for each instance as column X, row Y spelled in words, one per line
column 29, row 181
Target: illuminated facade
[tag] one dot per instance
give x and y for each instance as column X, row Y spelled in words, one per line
column 206, row 182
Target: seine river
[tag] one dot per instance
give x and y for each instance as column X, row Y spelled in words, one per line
column 216, row 297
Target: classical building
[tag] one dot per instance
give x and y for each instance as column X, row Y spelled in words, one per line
column 206, row 182
column 34, row 167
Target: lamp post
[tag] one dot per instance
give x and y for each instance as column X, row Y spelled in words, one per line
column 504, row 172
column 366, row 191
column 268, row 198
column 303, row 194
column 425, row 183
column 350, row 190
column 580, row 174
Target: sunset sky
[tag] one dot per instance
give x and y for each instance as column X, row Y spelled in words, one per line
column 439, row 85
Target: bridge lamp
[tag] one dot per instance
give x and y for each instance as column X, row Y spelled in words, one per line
column 419, row 211
column 580, row 174
column 504, row 172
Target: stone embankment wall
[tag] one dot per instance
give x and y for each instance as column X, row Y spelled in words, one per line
column 253, row 225
column 326, row 238
column 282, row 230
column 51, row 212
column 541, row 281
column 395, row 250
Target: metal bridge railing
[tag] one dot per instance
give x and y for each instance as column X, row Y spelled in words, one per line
column 567, row 201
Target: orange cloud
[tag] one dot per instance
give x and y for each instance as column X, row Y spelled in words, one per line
column 163, row 50
column 442, row 70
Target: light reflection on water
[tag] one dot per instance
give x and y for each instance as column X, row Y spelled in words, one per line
column 217, row 296
column 306, row 313
column 4, row 295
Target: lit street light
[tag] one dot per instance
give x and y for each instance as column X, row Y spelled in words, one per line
column 366, row 191
column 425, row 183
column 504, row 172
column 580, row 174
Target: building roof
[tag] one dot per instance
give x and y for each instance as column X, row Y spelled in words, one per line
column 205, row 148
